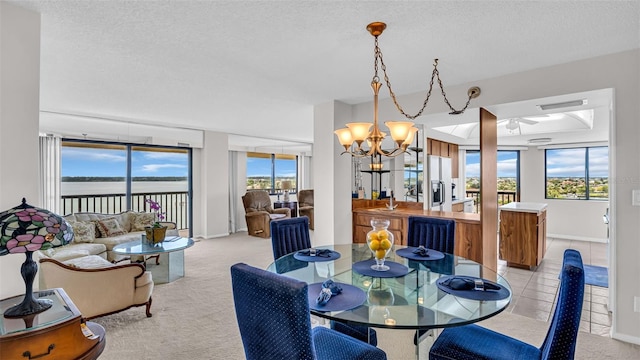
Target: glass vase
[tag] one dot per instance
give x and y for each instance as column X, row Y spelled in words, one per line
column 380, row 241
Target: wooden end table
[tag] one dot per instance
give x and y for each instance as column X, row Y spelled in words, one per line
column 54, row 334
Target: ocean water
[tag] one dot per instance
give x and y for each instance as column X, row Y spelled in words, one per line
column 111, row 187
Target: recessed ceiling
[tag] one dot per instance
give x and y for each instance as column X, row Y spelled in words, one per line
column 257, row 68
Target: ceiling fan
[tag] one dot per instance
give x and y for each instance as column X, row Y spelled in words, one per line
column 513, row 124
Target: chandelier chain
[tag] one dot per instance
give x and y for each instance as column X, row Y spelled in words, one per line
column 434, row 75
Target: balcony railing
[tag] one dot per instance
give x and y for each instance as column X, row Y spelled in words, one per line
column 174, row 204
column 504, row 197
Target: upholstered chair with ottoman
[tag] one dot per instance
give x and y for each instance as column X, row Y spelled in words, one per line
column 305, row 205
column 259, row 213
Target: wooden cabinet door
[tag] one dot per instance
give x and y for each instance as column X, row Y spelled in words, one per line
column 435, row 147
column 519, row 238
column 444, row 149
column 453, row 154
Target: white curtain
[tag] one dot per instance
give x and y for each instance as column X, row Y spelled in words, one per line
column 50, row 173
column 233, row 191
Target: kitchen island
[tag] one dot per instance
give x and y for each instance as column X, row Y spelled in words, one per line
column 523, row 234
column 468, row 241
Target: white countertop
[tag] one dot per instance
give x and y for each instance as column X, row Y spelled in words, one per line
column 525, row 207
column 458, row 201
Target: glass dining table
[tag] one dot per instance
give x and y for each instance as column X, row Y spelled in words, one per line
column 410, row 296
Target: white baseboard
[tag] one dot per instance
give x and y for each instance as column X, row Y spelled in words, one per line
column 581, row 238
column 205, row 237
column 626, row 338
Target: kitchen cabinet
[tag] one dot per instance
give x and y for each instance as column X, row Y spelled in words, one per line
column 459, row 207
column 468, row 240
column 523, row 234
column 453, row 154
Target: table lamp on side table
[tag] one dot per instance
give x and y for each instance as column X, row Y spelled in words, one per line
column 25, row 229
column 286, row 186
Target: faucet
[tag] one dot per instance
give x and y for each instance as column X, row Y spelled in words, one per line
column 390, row 206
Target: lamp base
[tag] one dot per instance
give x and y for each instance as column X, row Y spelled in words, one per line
column 286, row 196
column 29, row 306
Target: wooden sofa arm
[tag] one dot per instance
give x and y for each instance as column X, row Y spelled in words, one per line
column 100, row 291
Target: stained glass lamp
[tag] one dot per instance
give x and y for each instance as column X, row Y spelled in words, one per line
column 23, row 230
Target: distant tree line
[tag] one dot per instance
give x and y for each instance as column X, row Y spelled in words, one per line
column 120, row 178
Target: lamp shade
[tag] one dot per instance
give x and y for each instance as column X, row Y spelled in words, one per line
column 23, row 230
column 28, row 228
column 286, row 185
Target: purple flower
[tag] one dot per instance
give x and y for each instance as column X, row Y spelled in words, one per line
column 53, row 226
column 25, row 242
column 31, row 214
column 155, row 206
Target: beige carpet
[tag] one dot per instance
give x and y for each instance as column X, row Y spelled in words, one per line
column 193, row 317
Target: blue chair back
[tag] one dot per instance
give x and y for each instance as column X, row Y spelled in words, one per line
column 560, row 342
column 432, row 233
column 272, row 313
column 289, row 235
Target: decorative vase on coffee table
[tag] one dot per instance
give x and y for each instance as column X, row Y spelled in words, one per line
column 380, row 241
column 155, row 235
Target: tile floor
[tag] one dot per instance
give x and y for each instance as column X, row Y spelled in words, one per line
column 535, row 292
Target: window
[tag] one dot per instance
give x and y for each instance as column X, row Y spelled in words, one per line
column 111, row 178
column 508, row 175
column 268, row 171
column 577, row 173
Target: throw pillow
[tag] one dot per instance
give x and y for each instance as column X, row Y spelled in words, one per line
column 96, row 228
column 141, row 220
column 83, row 232
column 110, row 227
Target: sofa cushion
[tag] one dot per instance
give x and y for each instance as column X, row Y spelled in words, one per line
column 123, row 218
column 89, row 262
column 141, row 220
column 83, row 231
column 75, row 250
column 110, row 227
column 112, row 241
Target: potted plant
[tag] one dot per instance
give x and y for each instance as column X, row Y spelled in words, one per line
column 156, row 232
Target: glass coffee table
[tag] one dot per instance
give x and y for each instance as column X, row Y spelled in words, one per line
column 170, row 263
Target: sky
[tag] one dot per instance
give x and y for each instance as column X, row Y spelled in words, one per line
column 113, row 163
column 262, row 167
column 560, row 163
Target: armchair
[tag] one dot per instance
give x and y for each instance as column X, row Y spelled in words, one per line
column 259, row 213
column 278, row 326
column 305, row 205
column 98, row 287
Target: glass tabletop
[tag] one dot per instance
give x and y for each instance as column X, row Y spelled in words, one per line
column 412, row 301
column 139, row 247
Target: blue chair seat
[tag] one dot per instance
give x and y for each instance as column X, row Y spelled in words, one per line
column 483, row 344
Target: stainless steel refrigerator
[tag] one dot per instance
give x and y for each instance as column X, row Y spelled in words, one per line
column 439, row 183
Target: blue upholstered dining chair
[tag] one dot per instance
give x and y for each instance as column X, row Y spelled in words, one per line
column 476, row 342
column 290, row 235
column 432, row 233
column 272, row 311
column 437, row 234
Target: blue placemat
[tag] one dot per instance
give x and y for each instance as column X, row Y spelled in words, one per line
column 351, row 297
column 408, row 253
column 330, row 256
column 395, row 269
column 503, row 293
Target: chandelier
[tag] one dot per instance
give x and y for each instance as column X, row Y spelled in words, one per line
column 402, row 132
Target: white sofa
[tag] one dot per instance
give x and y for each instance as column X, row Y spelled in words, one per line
column 97, row 234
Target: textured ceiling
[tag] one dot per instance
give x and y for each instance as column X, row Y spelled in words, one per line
column 257, row 68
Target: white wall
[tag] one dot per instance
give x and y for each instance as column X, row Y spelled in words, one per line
column 618, row 71
column 211, row 187
column 19, row 108
column 331, row 176
column 566, row 219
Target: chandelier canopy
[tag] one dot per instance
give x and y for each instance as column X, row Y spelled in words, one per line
column 402, row 132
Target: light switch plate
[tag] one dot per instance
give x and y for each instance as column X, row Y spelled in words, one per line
column 635, row 198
